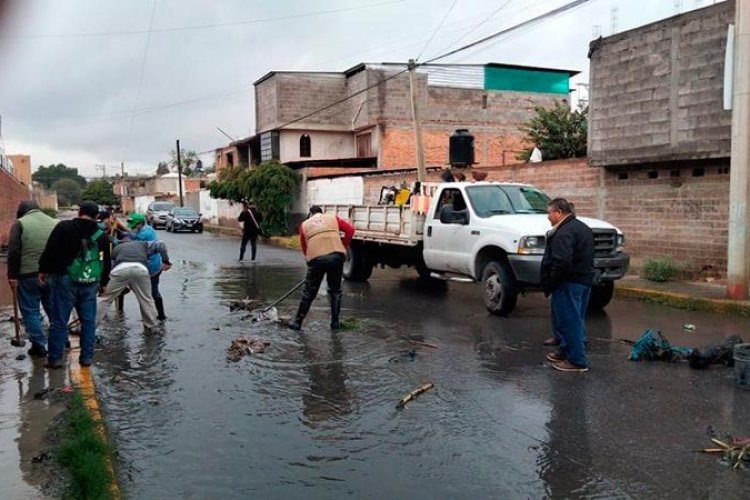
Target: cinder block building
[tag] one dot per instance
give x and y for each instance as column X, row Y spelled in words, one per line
column 368, row 124
column 660, row 133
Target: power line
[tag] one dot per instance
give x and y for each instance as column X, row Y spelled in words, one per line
column 204, row 26
column 437, row 29
column 486, row 20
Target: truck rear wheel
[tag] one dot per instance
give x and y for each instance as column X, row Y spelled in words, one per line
column 601, row 295
column 356, row 266
column 499, row 288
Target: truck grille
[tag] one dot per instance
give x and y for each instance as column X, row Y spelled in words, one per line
column 605, row 241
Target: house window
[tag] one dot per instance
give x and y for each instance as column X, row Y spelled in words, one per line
column 230, row 159
column 364, row 145
column 305, row 148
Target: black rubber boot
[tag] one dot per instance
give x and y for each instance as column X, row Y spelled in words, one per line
column 296, row 323
column 304, row 307
column 159, row 303
column 335, row 300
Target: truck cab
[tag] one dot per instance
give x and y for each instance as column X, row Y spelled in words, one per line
column 495, row 233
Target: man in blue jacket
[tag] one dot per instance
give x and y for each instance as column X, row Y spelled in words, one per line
column 567, row 272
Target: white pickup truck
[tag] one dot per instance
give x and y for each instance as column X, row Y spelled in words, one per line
column 489, row 232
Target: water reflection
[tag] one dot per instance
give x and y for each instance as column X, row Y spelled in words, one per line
column 328, row 397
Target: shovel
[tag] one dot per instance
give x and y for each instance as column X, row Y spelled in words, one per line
column 17, row 341
column 270, row 313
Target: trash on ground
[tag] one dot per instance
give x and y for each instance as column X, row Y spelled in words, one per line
column 350, row 324
column 688, row 326
column 419, row 340
column 404, row 356
column 242, row 346
column 414, row 394
column 21, row 357
column 41, row 457
column 714, row 354
column 259, row 315
column 242, row 305
column 736, row 451
column 653, row 346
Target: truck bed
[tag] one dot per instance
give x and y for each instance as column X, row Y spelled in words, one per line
column 382, row 223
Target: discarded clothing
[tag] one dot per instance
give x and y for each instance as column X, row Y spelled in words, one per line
column 652, row 346
column 715, row 354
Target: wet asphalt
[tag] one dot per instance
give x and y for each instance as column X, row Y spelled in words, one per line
column 315, row 415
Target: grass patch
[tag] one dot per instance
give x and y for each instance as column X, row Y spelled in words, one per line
column 84, row 454
column 661, row 270
column 350, row 324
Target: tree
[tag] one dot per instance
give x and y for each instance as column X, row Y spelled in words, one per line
column 558, row 132
column 47, row 176
column 188, row 158
column 100, row 192
column 271, row 185
column 68, row 192
column 163, row 168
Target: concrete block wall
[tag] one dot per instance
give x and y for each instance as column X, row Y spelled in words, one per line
column 12, row 192
column 301, row 94
column 656, row 91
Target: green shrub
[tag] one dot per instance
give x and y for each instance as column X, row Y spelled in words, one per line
column 661, row 270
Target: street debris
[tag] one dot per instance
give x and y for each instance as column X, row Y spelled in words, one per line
column 714, row 354
column 351, row 324
column 242, row 346
column 653, row 346
column 736, row 451
column 414, row 394
column 419, row 340
column 404, row 356
column 688, row 326
column 21, row 357
column 267, row 314
column 243, row 305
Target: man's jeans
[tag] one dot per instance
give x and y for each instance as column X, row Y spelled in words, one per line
column 569, row 303
column 30, row 294
column 65, row 295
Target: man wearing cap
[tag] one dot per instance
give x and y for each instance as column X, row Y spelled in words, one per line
column 27, row 239
column 63, row 246
column 141, row 231
column 325, row 251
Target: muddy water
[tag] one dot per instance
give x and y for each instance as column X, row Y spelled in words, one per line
column 315, row 415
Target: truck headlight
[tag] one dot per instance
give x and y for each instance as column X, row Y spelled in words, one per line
column 620, row 243
column 532, row 245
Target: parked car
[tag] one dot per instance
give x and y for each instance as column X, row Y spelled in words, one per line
column 156, row 214
column 184, row 219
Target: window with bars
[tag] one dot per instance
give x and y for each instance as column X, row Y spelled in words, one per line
column 364, row 145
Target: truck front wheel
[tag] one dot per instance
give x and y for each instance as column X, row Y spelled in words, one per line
column 601, row 295
column 356, row 266
column 499, row 289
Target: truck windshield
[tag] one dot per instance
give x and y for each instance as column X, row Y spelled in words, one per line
column 496, row 200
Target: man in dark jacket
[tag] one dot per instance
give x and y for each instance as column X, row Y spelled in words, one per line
column 28, row 237
column 250, row 218
column 63, row 247
column 567, row 272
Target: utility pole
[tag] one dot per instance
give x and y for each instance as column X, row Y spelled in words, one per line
column 179, row 172
column 122, row 183
column 421, row 171
column 103, row 168
column 739, row 190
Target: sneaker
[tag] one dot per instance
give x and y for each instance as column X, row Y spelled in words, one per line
column 551, row 341
column 555, row 357
column 567, row 366
column 37, row 351
column 54, row 364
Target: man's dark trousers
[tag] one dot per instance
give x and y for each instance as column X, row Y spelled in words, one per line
column 331, row 265
column 252, row 237
column 569, row 312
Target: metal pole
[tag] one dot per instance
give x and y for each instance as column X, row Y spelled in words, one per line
column 179, row 172
column 122, row 184
column 421, row 171
column 737, row 248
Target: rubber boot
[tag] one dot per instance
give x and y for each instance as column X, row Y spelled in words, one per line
column 304, row 306
column 159, row 303
column 335, row 300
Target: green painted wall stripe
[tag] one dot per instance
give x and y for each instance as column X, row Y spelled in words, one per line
column 523, row 80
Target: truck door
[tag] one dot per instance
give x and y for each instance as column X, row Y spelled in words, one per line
column 444, row 247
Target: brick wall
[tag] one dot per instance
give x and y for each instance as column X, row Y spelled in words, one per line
column 656, row 91
column 680, row 211
column 21, row 168
column 12, row 193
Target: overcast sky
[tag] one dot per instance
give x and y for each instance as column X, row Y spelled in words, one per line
column 87, row 82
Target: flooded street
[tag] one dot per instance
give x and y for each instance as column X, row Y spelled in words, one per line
column 315, row 415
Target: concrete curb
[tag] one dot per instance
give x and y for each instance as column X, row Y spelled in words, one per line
column 291, row 242
column 82, row 378
column 683, row 301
